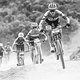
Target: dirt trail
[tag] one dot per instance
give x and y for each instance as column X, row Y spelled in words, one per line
column 74, row 43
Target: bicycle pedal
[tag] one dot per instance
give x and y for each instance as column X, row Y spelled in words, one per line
column 52, row 51
column 20, row 64
column 36, row 62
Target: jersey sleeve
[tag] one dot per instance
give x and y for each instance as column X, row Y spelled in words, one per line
column 17, row 40
column 43, row 20
column 45, row 15
column 27, row 36
column 63, row 16
column 2, row 49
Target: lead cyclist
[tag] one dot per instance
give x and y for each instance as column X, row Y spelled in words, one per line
column 52, row 18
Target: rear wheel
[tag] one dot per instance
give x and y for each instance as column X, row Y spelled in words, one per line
column 38, row 59
column 21, row 61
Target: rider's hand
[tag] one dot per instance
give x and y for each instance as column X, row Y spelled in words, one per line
column 67, row 25
column 36, row 40
column 41, row 30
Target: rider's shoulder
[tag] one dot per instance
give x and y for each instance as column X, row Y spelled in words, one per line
column 30, row 32
column 58, row 11
column 46, row 13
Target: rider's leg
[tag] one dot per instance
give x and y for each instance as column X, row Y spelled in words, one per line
column 17, row 48
column 51, row 43
column 18, row 51
column 32, row 50
column 18, row 58
column 22, row 49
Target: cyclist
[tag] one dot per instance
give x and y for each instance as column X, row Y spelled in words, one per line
column 8, row 50
column 52, row 18
column 35, row 34
column 1, row 52
column 19, row 42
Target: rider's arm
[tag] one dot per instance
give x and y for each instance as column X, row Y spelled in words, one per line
column 45, row 37
column 11, row 48
column 64, row 16
column 28, row 34
column 43, row 20
column 25, row 40
column 14, row 43
column 3, row 49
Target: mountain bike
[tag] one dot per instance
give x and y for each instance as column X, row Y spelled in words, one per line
column 56, row 41
column 37, row 51
column 56, row 36
column 20, row 56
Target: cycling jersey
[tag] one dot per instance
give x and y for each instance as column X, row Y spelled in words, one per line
column 20, row 41
column 33, row 34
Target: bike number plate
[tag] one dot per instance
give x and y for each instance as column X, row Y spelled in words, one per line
column 21, row 53
column 56, row 31
column 48, row 27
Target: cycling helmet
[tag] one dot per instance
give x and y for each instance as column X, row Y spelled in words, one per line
column 21, row 34
column 34, row 25
column 1, row 44
column 52, row 6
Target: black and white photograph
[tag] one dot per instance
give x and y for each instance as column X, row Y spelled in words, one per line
column 39, row 39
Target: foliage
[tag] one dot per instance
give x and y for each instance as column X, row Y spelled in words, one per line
column 17, row 15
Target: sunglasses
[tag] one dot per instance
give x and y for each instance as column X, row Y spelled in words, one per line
column 52, row 10
column 34, row 27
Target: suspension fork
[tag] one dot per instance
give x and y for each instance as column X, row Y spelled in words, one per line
column 56, row 47
column 56, row 44
column 59, row 45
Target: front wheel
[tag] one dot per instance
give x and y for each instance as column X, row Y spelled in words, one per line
column 38, row 59
column 57, row 57
column 60, row 53
column 21, row 61
column 0, row 60
column 36, row 56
